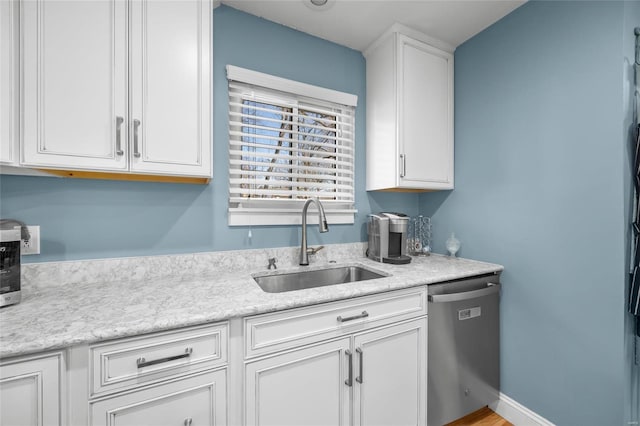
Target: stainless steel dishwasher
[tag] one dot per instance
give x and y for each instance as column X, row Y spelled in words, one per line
column 464, row 347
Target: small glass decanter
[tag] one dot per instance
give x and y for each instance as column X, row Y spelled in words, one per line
column 452, row 245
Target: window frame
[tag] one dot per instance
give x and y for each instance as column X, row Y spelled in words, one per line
column 280, row 92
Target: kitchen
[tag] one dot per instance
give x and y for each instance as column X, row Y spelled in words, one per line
column 542, row 181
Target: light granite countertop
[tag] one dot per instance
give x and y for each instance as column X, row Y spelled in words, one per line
column 72, row 303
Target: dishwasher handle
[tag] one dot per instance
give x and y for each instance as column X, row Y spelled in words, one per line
column 491, row 288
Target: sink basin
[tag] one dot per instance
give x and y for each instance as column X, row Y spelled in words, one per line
column 317, row 278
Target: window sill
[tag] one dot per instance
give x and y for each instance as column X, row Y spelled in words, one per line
column 246, row 217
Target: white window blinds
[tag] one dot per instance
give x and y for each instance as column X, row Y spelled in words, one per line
column 285, row 147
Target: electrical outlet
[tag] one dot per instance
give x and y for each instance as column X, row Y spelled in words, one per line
column 33, row 245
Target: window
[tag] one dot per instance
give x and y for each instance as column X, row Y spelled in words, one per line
column 288, row 142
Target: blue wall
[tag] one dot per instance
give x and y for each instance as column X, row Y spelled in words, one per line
column 541, row 188
column 82, row 219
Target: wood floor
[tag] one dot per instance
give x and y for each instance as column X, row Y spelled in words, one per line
column 483, row 417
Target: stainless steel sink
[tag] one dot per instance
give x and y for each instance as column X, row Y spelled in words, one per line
column 317, row 278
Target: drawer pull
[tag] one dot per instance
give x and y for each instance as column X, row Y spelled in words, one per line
column 144, row 363
column 188, row 422
column 364, row 314
column 349, row 381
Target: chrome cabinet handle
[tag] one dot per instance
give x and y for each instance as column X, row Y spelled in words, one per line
column 465, row 295
column 364, row 314
column 119, row 121
column 403, row 165
column 360, row 377
column 188, row 421
column 141, row 362
column 136, row 125
column 349, row 381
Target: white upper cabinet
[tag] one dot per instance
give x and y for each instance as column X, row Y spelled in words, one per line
column 170, row 87
column 409, row 113
column 121, row 86
column 75, row 83
column 8, row 82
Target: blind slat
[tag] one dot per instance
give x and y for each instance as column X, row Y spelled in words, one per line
column 237, row 183
column 297, row 211
column 288, row 193
column 238, row 170
column 238, row 104
column 317, row 160
column 265, row 146
column 237, row 124
column 246, row 174
column 235, row 138
column 286, row 202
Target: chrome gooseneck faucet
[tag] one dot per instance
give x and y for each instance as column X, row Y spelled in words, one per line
column 322, row 222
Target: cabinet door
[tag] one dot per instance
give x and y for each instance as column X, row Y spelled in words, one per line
column 30, row 391
column 301, row 387
column 74, row 89
column 195, row 400
column 8, row 82
column 425, row 98
column 390, row 369
column 171, row 87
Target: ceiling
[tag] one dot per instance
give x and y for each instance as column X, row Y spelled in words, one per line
column 357, row 23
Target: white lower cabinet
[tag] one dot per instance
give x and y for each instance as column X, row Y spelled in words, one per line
column 390, row 384
column 190, row 401
column 300, row 387
column 176, row 377
column 31, row 391
column 375, row 374
column 376, row 378
column 360, row 361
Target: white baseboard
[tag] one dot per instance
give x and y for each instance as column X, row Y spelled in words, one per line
column 517, row 413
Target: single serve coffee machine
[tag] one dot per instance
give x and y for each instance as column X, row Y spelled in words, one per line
column 388, row 238
column 9, row 267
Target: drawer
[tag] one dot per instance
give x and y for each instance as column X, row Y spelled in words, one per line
column 198, row 399
column 126, row 363
column 287, row 329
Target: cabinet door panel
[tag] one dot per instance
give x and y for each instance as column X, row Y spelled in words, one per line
column 391, row 390
column 75, row 68
column 171, row 86
column 301, row 387
column 426, row 113
column 201, row 398
column 8, row 79
column 30, row 392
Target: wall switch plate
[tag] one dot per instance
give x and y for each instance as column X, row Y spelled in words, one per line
column 33, row 245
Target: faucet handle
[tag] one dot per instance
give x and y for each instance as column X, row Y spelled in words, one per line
column 314, row 250
column 272, row 262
